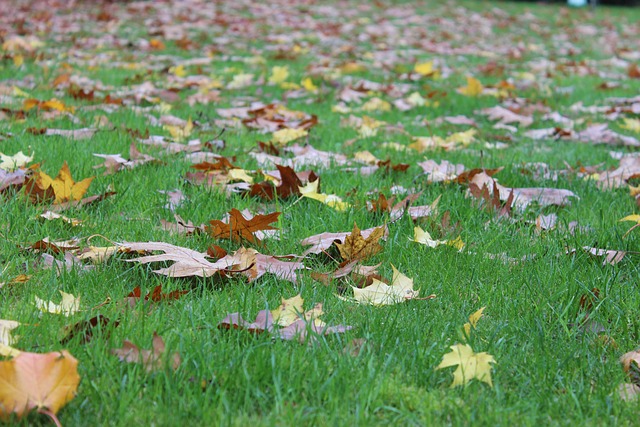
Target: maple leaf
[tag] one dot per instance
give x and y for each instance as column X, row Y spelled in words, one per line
column 187, row 262
column 357, row 247
column 151, row 360
column 323, row 241
column 41, row 187
column 284, row 136
column 380, row 293
column 289, row 185
column 253, row 264
column 310, row 191
column 424, row 68
column 470, row 365
column 240, row 228
column 45, row 382
column 69, row 305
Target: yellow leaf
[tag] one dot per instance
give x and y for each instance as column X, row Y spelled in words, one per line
column 7, row 351
column 424, row 68
column 307, row 83
column 366, row 157
column 278, row 74
column 379, row 293
column 470, row 365
column 631, row 124
column 473, row 87
column 180, row 133
column 465, row 138
column 291, row 310
column 311, row 191
column 376, row 104
column 416, row 99
column 18, row 60
column 284, row 136
column 473, row 321
column 239, row 175
column 178, row 71
column 634, row 218
column 69, row 305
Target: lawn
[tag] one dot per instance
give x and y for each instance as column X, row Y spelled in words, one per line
column 547, row 95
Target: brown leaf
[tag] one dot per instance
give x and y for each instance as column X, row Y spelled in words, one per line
column 151, row 360
column 289, row 185
column 37, row 381
column 239, row 228
column 356, row 247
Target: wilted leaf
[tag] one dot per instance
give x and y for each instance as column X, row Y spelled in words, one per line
column 357, row 247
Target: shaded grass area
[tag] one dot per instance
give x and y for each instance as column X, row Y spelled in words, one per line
column 547, row 371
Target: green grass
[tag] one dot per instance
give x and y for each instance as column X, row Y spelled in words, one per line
column 547, row 371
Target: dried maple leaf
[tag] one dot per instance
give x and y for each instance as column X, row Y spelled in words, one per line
column 357, row 247
column 289, row 185
column 41, row 187
column 151, row 360
column 115, row 162
column 631, row 365
column 11, row 163
column 187, row 262
column 470, row 365
column 423, row 237
column 323, row 241
column 45, row 382
column 12, row 179
column 253, row 265
column 239, row 228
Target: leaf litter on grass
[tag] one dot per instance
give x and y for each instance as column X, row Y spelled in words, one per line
column 383, row 102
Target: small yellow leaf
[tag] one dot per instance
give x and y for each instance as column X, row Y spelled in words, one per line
column 424, row 68
column 473, row 321
column 308, row 85
column 473, row 87
column 278, row 74
column 375, row 105
column 470, row 365
column 310, row 191
column 631, row 124
column 178, row 71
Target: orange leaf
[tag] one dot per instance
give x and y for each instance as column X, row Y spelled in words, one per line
column 239, row 228
column 37, row 381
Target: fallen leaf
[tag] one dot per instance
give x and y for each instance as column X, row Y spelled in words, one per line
column 323, row 241
column 37, row 381
column 470, row 365
column 357, row 247
column 473, row 321
column 41, row 187
column 151, row 360
column 379, row 293
column 69, row 305
column 86, row 328
column 11, row 163
column 239, row 228
column 310, row 191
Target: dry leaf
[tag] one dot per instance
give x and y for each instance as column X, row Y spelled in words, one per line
column 357, row 247
column 37, row 381
column 69, row 305
column 151, row 360
column 241, row 229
